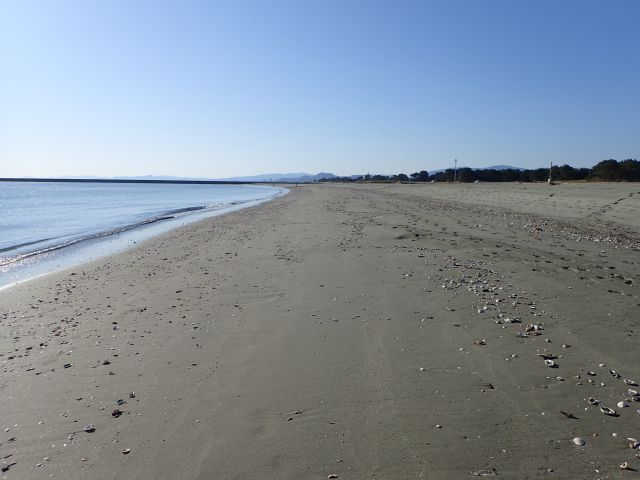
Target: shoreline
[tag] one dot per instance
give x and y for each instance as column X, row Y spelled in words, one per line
column 356, row 331
column 93, row 246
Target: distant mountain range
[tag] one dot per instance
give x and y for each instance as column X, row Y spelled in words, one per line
column 299, row 177
column 281, row 177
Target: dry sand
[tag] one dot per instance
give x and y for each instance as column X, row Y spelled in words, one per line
column 351, row 331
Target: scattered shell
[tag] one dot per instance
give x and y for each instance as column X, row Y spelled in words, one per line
column 89, row 428
column 132, row 395
column 116, row 413
column 568, row 414
column 126, row 451
column 489, row 472
column 614, row 374
column 593, row 401
column 608, row 411
column 579, row 441
column 332, row 475
column 630, row 382
column 622, row 405
column 550, row 363
column 624, row 466
column 548, row 356
column 120, row 401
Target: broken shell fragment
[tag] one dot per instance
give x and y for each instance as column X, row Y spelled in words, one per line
column 630, row 382
column 89, row 428
column 608, row 411
column 593, row 401
column 550, row 363
column 579, row 441
column 126, row 451
column 622, row 405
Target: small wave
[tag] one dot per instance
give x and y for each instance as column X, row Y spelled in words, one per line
column 79, row 238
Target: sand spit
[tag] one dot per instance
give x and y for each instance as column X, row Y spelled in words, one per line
column 410, row 331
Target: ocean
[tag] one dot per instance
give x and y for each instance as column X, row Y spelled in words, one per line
column 45, row 226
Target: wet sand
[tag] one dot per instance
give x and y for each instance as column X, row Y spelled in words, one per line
column 340, row 332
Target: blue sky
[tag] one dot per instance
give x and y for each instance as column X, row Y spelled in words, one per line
column 215, row 89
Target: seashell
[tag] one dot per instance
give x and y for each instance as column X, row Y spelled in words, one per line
column 624, row 466
column 132, row 395
column 120, row 401
column 332, row 475
column 116, row 413
column 579, row 441
column 126, row 451
column 589, row 372
column 614, row 374
column 622, row 405
column 608, row 411
column 630, row 382
column 547, row 356
column 67, row 365
column 550, row 363
column 632, row 392
column 89, row 428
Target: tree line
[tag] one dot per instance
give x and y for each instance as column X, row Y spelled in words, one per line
column 606, row 170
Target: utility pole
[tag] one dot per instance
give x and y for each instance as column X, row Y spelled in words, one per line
column 455, row 170
column 550, row 168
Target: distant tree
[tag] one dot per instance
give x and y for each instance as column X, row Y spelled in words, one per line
column 606, row 170
column 421, row 176
column 401, row 177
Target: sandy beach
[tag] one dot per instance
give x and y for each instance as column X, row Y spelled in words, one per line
column 351, row 332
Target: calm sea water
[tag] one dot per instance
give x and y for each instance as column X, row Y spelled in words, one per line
column 42, row 224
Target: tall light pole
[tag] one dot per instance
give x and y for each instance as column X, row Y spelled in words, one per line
column 455, row 170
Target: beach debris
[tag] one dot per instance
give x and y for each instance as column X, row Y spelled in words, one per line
column 89, row 428
column 550, row 364
column 625, row 466
column 608, row 411
column 630, row 382
column 593, row 401
column 132, row 395
column 332, row 475
column 120, row 401
column 568, row 414
column 533, row 327
column 622, row 405
column 67, row 365
column 116, row 413
column 590, row 373
column 126, row 451
column 614, row 374
column 480, row 342
column 547, row 356
column 633, row 443
column 581, row 442
column 565, row 345
column 487, row 472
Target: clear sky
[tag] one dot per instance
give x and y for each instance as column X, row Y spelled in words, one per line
column 215, row 89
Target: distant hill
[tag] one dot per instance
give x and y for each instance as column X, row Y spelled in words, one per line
column 281, row 177
column 266, row 177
